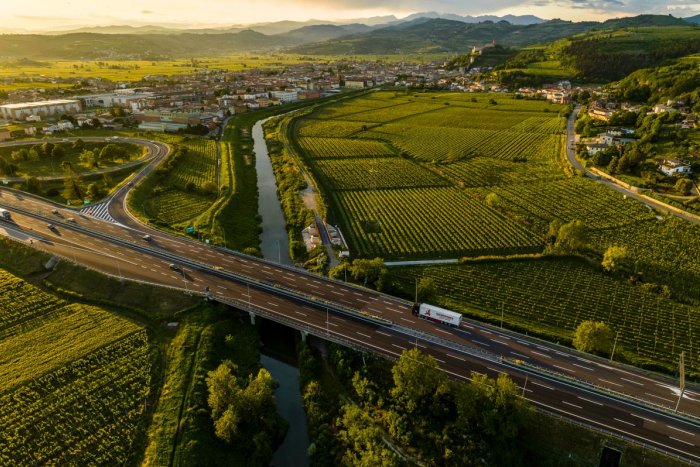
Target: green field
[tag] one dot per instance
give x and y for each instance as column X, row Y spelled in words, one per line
column 72, row 366
column 394, row 166
column 178, row 195
column 553, row 296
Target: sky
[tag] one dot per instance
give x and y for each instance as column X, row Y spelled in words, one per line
column 37, row 15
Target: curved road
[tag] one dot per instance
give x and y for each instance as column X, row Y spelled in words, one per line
column 559, row 380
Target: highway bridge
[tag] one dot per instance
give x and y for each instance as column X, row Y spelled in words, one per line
column 621, row 400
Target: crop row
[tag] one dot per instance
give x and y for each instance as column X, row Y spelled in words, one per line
column 198, row 166
column 559, row 294
column 85, row 412
column 428, row 221
column 342, row 147
column 396, row 112
column 329, row 128
column 20, row 302
column 484, row 171
column 175, row 206
column 573, row 198
column 457, row 117
column 53, row 342
column 666, row 249
column 375, row 172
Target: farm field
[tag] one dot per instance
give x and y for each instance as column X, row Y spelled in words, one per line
column 553, row 296
column 75, row 366
column 395, row 166
column 179, row 194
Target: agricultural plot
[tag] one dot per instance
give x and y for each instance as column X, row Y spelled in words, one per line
column 487, row 172
column 379, row 173
column 317, row 148
column 175, row 206
column 666, row 249
column 330, row 128
column 440, row 222
column 573, row 199
column 558, row 294
column 198, row 166
column 73, row 380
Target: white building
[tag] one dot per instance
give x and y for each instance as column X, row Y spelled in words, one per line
column 42, row 108
column 674, row 167
column 285, row 96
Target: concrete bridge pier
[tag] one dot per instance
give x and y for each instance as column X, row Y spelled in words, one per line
column 304, row 335
column 252, row 317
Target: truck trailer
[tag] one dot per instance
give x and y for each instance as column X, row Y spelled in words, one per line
column 439, row 315
column 5, row 214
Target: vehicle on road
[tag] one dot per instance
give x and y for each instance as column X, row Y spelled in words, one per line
column 71, row 219
column 175, row 267
column 50, row 226
column 148, row 239
column 436, row 314
column 54, row 211
column 5, row 214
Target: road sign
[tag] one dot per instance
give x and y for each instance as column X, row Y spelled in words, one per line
column 189, row 230
column 86, row 201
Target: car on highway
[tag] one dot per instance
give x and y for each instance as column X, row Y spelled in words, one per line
column 71, row 219
column 148, row 239
column 50, row 226
column 175, row 267
column 54, row 211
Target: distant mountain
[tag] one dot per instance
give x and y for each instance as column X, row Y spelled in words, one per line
column 425, row 35
column 320, row 32
column 693, row 19
column 512, row 19
column 118, row 29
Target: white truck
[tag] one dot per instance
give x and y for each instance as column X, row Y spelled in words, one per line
column 5, row 214
column 439, row 315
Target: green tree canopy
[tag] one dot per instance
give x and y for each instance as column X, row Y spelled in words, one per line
column 614, row 258
column 593, row 337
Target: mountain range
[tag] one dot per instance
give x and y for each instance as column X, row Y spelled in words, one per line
column 418, row 35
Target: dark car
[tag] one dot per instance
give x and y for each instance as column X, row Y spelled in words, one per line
column 175, row 267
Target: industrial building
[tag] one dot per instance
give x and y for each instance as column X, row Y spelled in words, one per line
column 42, row 108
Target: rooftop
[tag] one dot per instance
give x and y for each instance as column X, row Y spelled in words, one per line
column 24, row 105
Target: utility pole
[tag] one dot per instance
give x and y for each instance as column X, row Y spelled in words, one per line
column 612, row 354
column 681, row 386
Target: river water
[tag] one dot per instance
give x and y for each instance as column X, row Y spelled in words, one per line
column 293, row 451
column 274, row 242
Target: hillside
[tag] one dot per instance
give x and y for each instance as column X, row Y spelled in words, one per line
column 444, row 35
column 678, row 81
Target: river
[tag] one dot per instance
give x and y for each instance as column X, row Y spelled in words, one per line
column 293, row 451
column 274, row 242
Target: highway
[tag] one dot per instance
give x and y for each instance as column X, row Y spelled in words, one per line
column 558, row 380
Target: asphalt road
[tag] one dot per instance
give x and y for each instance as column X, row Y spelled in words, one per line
column 585, row 393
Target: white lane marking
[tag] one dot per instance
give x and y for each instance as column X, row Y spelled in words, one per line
column 486, row 332
column 682, row 431
column 643, row 418
column 543, row 385
column 541, row 354
column 441, row 361
column 581, row 366
column 500, row 342
column 363, row 334
column 522, row 342
column 481, row 343
column 408, row 320
column 572, row 405
column 592, row 402
column 222, row 287
column 624, row 421
column 562, row 368
column 519, row 354
column 363, row 301
column 398, row 346
column 299, row 313
column 273, row 304
column 676, row 439
column 442, row 330
column 336, row 292
column 609, row 382
column 504, row 337
column 314, row 286
column 332, row 324
column 632, row 381
column 659, row 397
column 455, row 356
column 382, row 333
column 497, row 371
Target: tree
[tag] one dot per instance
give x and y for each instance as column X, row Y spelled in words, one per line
column 78, row 144
column 33, row 185
column 209, row 187
column 363, row 440
column 593, row 337
column 417, row 381
column 614, row 258
column 426, row 289
column 683, row 186
column 57, row 152
column 89, row 158
column 94, row 191
column 368, row 271
column 572, row 237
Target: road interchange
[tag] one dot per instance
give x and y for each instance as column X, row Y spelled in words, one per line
column 607, row 396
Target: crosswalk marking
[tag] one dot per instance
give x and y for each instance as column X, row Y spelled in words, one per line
column 99, row 211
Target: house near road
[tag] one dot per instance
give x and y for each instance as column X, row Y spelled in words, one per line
column 674, row 167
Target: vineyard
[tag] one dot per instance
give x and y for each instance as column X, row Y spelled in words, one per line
column 198, row 166
column 428, row 221
column 71, row 366
column 415, row 205
column 558, row 294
